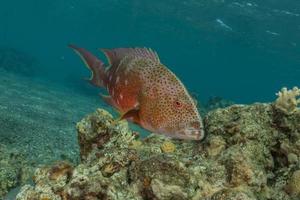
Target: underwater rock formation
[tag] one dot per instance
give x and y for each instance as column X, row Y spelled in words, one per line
column 251, row 152
column 18, row 62
column 13, row 169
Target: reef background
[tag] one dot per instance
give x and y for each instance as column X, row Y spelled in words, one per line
column 251, row 152
column 244, row 51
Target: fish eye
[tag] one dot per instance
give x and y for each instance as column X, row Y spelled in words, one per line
column 178, row 104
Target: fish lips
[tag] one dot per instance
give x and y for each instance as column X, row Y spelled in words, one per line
column 190, row 134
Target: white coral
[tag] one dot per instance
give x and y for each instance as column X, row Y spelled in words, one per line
column 287, row 100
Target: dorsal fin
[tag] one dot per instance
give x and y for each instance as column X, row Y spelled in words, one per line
column 114, row 56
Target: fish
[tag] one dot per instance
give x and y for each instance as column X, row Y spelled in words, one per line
column 145, row 91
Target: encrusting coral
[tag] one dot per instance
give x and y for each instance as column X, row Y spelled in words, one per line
column 168, row 147
column 287, row 100
column 251, row 152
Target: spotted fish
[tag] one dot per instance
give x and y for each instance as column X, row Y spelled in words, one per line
column 145, row 91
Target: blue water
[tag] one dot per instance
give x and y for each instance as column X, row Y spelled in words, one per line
column 244, row 51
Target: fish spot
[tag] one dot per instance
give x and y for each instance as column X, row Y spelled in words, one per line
column 117, row 80
column 121, row 96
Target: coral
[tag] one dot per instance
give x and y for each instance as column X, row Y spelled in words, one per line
column 251, row 152
column 135, row 144
column 59, row 170
column 110, row 169
column 287, row 100
column 168, row 147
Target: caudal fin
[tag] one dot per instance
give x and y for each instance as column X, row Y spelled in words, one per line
column 96, row 66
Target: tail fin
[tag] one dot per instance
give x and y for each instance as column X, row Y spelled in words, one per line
column 96, row 66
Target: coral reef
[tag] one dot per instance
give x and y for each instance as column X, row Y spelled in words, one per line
column 287, row 100
column 14, row 170
column 251, row 152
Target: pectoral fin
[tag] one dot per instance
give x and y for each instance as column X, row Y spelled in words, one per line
column 131, row 115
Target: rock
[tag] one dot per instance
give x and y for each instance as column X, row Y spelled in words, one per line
column 233, row 194
column 96, row 130
column 250, row 153
column 292, row 158
column 216, row 145
column 156, row 176
column 163, row 191
column 14, row 170
column 293, row 187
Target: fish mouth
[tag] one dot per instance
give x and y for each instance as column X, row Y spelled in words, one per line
column 191, row 133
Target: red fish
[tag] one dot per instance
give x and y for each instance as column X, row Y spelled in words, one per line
column 145, row 91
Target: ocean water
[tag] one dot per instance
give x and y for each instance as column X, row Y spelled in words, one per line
column 243, row 51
